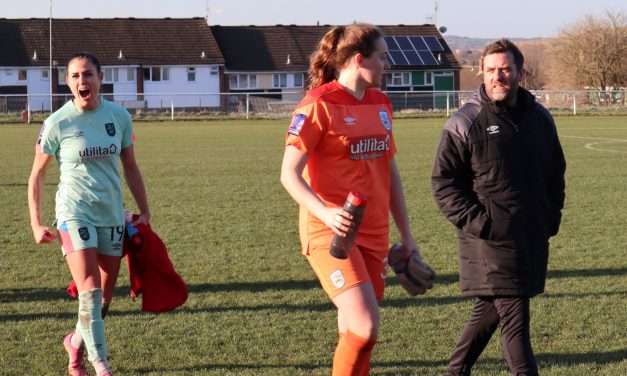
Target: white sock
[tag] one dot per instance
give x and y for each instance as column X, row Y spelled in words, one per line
column 101, row 366
column 76, row 340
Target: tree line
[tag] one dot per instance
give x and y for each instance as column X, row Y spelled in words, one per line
column 590, row 53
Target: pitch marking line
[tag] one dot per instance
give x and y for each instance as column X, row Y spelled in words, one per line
column 592, row 145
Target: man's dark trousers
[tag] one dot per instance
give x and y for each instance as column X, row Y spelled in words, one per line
column 512, row 313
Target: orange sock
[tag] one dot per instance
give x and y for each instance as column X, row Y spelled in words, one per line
column 352, row 355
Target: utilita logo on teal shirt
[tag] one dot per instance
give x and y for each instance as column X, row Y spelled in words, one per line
column 97, row 152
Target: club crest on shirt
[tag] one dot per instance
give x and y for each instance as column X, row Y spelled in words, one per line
column 337, row 278
column 385, row 120
column 297, row 124
column 83, row 232
column 110, row 127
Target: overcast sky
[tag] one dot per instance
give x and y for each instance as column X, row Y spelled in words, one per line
column 470, row 18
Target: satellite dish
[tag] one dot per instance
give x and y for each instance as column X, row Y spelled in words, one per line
column 442, row 29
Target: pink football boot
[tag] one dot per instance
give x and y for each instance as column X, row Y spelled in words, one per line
column 76, row 365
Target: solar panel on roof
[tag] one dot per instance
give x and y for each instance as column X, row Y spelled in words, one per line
column 433, row 43
column 412, row 50
column 419, row 44
column 403, row 42
column 427, row 57
column 392, row 46
column 413, row 58
column 398, row 57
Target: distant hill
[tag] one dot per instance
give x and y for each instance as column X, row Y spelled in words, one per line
column 469, row 44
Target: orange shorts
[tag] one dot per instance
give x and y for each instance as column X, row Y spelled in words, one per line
column 336, row 275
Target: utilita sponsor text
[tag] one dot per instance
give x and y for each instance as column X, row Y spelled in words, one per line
column 369, row 148
column 97, row 152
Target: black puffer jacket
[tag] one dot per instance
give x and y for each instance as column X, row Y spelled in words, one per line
column 498, row 176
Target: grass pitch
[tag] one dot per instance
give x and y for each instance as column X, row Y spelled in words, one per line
column 255, row 307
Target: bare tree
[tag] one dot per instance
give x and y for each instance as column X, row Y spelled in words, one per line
column 535, row 53
column 592, row 52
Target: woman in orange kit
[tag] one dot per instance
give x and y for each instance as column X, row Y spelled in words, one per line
column 340, row 140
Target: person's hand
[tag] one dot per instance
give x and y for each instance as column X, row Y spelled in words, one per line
column 409, row 245
column 43, row 234
column 144, row 219
column 340, row 221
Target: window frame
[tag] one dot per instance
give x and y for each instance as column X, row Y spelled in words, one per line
column 428, row 78
column 301, row 77
column 279, row 80
column 191, row 74
column 161, row 72
column 243, row 81
column 403, row 77
column 113, row 74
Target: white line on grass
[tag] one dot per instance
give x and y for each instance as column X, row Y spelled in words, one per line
column 591, row 145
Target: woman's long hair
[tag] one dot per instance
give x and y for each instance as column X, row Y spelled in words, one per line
column 337, row 46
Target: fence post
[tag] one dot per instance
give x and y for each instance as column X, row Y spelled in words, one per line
column 28, row 118
column 172, row 107
column 575, row 103
column 247, row 104
column 447, row 104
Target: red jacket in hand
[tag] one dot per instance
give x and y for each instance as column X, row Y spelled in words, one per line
column 151, row 272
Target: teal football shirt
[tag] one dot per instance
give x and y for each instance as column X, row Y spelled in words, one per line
column 87, row 146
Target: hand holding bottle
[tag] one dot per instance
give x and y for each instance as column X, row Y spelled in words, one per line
column 355, row 205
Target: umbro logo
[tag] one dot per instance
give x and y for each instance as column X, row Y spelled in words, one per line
column 349, row 120
column 493, row 129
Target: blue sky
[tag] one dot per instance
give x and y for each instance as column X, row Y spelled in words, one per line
column 470, row 18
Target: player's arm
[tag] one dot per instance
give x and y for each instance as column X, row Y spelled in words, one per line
column 294, row 162
column 42, row 234
column 398, row 208
column 135, row 183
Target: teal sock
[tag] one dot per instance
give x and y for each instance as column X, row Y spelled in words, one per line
column 90, row 324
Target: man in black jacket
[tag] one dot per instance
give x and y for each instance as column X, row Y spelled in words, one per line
column 498, row 176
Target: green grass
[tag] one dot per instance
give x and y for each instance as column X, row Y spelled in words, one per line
column 255, row 307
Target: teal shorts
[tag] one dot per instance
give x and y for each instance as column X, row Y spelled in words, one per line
column 77, row 236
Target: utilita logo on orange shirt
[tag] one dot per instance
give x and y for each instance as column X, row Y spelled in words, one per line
column 369, row 148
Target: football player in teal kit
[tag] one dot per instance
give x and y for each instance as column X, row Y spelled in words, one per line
column 88, row 136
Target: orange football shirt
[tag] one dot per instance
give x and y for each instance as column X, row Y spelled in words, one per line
column 349, row 144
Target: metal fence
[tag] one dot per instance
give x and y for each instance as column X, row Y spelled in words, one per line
column 199, row 106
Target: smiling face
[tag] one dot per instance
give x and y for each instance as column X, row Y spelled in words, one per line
column 501, row 77
column 84, row 80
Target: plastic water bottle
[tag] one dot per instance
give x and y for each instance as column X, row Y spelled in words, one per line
column 356, row 205
column 131, row 230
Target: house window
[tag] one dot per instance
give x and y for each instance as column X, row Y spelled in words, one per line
column 22, row 74
column 62, row 74
column 398, row 79
column 111, row 75
column 279, row 80
column 428, row 78
column 243, row 81
column 157, row 74
column 130, row 74
column 45, row 75
column 298, row 80
column 213, row 71
column 191, row 74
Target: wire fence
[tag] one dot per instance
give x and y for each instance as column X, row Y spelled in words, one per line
column 207, row 106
